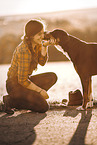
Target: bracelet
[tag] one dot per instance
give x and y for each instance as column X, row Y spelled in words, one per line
column 40, row 91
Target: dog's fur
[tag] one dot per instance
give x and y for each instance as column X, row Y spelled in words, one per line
column 84, row 58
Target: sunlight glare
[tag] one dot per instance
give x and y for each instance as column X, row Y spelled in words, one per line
column 30, row 6
column 52, row 5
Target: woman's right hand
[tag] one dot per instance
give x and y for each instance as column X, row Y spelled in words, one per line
column 44, row 94
column 46, row 43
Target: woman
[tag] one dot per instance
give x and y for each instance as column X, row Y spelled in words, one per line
column 26, row 91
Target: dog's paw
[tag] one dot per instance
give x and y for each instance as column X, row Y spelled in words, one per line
column 89, row 104
column 80, row 108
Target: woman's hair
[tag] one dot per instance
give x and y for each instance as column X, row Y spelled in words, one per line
column 32, row 28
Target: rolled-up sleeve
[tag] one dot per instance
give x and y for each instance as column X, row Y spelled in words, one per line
column 23, row 68
column 42, row 59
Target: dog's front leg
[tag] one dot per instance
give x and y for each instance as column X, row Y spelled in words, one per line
column 85, row 86
column 90, row 97
column 85, row 92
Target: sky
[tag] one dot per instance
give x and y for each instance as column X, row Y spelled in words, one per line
column 14, row 7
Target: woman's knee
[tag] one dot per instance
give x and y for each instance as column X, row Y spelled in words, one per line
column 37, row 103
column 44, row 108
column 53, row 77
column 40, row 107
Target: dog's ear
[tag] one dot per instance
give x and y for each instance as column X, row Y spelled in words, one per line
column 60, row 35
column 57, row 41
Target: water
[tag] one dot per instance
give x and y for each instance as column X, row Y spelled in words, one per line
column 68, row 80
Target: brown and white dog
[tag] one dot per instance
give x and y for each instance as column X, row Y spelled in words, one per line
column 84, row 58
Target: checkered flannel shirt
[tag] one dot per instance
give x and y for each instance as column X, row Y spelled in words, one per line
column 22, row 65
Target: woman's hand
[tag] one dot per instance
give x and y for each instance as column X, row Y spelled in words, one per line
column 36, row 88
column 44, row 94
column 52, row 41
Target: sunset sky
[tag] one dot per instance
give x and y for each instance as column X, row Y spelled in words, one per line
column 11, row 7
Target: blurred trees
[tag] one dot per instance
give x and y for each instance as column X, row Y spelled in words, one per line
column 12, row 30
column 7, row 45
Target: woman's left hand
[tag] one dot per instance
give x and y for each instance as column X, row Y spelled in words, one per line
column 44, row 94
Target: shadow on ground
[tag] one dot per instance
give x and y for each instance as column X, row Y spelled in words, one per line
column 79, row 136
column 19, row 129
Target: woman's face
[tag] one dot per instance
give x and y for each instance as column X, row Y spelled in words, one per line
column 38, row 37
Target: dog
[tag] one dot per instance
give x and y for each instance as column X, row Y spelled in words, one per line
column 84, row 58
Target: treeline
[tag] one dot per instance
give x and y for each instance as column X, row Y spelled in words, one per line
column 10, row 39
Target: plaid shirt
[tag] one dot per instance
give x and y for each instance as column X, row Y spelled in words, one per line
column 23, row 63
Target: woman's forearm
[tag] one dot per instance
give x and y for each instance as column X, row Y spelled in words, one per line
column 34, row 87
column 42, row 92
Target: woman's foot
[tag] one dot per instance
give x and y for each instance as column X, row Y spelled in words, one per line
column 7, row 107
column 1, row 106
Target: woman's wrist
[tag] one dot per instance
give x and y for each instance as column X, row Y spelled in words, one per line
column 34, row 87
column 44, row 51
column 40, row 90
column 45, row 43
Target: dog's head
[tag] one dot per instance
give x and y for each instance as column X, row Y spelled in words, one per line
column 58, row 34
column 61, row 37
